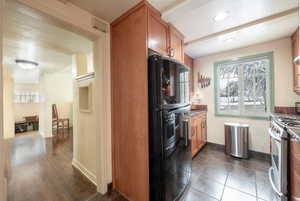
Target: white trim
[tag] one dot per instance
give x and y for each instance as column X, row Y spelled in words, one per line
column 3, row 183
column 89, row 175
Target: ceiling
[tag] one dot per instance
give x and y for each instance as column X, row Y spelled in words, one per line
column 195, row 19
column 105, row 9
column 30, row 38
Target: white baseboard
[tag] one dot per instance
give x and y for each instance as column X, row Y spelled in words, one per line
column 90, row 176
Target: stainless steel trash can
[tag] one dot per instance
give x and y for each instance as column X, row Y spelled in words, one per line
column 236, row 139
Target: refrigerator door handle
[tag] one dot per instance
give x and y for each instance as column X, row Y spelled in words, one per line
column 186, row 126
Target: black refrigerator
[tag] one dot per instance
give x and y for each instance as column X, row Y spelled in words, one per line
column 169, row 128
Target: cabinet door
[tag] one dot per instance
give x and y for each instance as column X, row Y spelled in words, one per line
column 295, row 52
column 188, row 61
column 199, row 133
column 295, row 169
column 157, row 34
column 194, row 140
column 176, row 41
column 204, row 131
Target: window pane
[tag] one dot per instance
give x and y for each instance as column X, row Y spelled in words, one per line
column 243, row 86
column 255, row 94
column 229, row 89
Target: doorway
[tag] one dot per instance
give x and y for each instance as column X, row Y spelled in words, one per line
column 51, row 87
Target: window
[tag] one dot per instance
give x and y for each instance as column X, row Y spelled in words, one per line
column 243, row 86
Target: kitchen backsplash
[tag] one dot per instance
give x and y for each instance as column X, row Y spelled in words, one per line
column 285, row 110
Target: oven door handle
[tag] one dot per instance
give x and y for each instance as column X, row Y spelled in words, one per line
column 274, row 136
column 272, row 182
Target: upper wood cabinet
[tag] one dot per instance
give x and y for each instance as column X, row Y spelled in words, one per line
column 295, row 52
column 188, row 61
column 164, row 38
column 176, row 41
column 157, row 34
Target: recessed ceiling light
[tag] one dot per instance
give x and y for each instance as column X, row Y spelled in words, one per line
column 221, row 16
column 26, row 65
column 229, row 40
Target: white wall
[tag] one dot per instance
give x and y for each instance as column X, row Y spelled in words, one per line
column 26, row 109
column 55, row 88
column 284, row 95
column 8, row 103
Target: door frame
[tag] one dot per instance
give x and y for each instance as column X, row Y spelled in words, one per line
column 65, row 14
column 3, row 186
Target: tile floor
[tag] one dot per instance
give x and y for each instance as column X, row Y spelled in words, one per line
column 217, row 176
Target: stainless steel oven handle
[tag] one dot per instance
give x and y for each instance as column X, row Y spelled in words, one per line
column 272, row 182
column 274, row 136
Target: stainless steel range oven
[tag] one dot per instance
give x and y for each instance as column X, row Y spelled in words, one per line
column 279, row 154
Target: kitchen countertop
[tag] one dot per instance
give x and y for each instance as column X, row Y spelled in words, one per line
column 293, row 116
column 196, row 112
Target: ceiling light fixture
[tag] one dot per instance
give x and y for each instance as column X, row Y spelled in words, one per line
column 26, row 65
column 221, row 16
column 229, row 40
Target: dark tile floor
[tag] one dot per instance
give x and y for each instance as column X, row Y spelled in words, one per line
column 217, row 176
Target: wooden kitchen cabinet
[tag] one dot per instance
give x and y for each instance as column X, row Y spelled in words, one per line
column 164, row 38
column 189, row 62
column 199, row 133
column 295, row 170
column 194, row 140
column 158, row 34
column 134, row 35
column 176, row 41
column 295, row 53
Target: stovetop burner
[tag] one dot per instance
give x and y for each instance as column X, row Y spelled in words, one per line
column 289, row 122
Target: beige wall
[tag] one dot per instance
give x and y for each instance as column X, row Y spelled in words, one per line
column 26, row 109
column 55, row 88
column 284, row 95
column 8, row 103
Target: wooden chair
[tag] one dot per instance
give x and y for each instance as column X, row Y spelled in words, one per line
column 58, row 123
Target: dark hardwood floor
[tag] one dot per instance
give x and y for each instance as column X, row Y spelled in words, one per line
column 41, row 170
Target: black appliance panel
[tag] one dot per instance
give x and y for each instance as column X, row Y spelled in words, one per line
column 175, row 83
column 169, row 142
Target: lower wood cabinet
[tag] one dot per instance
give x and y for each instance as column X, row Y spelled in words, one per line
column 295, row 170
column 199, row 132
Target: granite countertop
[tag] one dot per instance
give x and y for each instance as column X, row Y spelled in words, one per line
column 196, row 112
column 292, row 116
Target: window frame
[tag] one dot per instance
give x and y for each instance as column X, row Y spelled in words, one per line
column 270, row 57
